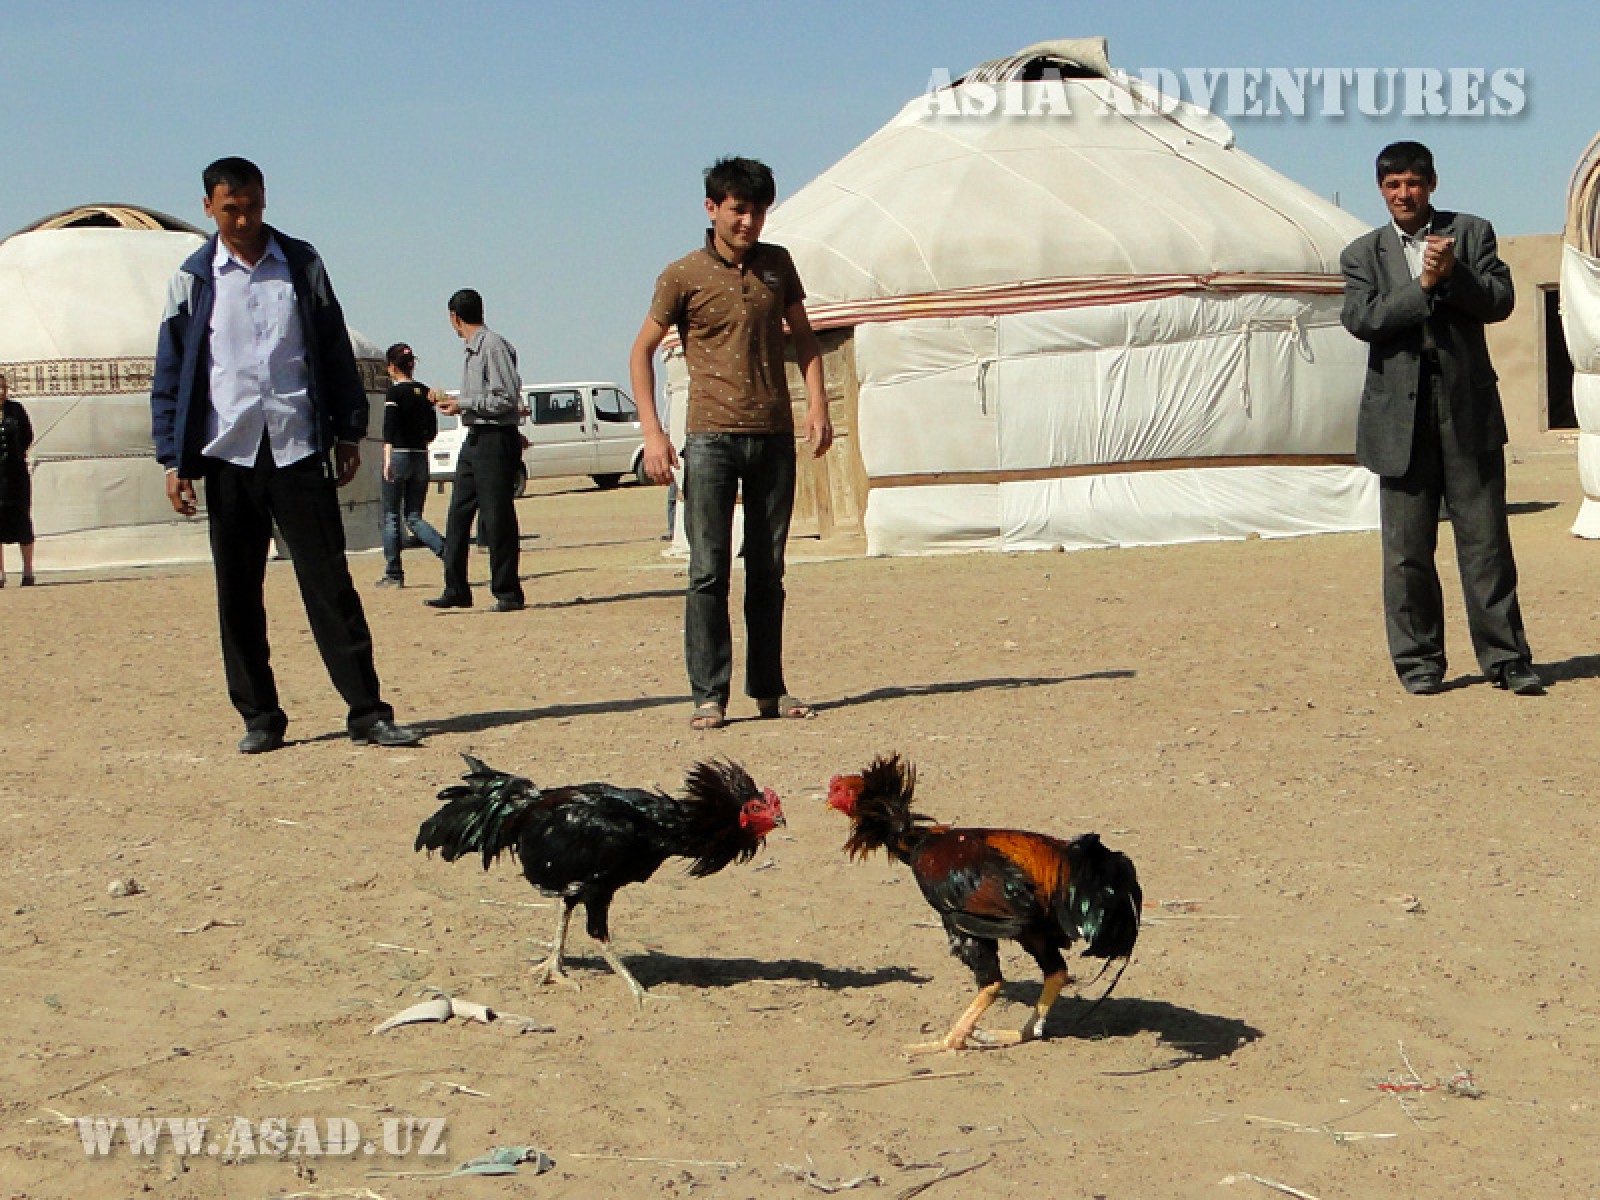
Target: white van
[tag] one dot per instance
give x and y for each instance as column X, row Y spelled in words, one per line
column 567, row 429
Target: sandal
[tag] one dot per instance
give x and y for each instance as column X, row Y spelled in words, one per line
column 708, row 716
column 786, row 707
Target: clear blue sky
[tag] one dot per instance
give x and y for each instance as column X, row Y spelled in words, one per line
column 549, row 154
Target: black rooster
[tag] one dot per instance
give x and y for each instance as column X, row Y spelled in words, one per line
column 584, row 842
column 989, row 884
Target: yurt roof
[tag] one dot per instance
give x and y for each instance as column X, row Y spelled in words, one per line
column 111, row 216
column 86, row 291
column 90, row 282
column 1126, row 182
column 1583, row 203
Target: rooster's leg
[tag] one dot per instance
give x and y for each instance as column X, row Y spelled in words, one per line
column 956, row 1039
column 1033, row 1027
column 634, row 985
column 550, row 970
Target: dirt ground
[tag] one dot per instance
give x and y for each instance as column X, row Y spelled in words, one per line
column 1368, row 965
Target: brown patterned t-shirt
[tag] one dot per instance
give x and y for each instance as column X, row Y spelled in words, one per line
column 730, row 317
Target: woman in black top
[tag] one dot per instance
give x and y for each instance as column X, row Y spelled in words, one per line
column 409, row 424
column 16, row 488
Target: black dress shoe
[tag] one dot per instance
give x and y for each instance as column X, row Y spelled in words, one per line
column 448, row 601
column 261, row 741
column 1518, row 677
column 1424, row 683
column 385, row 733
column 508, row 606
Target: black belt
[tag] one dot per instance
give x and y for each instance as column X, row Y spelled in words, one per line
column 472, row 430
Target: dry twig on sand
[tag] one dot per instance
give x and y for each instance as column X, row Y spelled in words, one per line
column 809, row 1177
column 1338, row 1135
column 1409, row 1087
column 670, row 1162
column 945, row 1173
column 455, row 1089
column 175, row 1052
column 1182, row 910
column 829, row 1089
column 211, row 923
column 1271, row 1183
column 323, row 1083
column 396, row 946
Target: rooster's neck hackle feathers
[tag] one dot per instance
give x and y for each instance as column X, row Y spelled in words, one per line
column 715, row 793
column 883, row 815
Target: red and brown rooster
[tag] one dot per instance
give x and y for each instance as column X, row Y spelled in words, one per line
column 583, row 842
column 989, row 884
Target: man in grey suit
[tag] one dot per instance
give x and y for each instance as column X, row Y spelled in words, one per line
column 1419, row 291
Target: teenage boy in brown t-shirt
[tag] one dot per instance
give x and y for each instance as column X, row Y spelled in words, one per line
column 729, row 301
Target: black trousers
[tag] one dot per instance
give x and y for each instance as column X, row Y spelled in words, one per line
column 485, row 487
column 242, row 504
column 1472, row 487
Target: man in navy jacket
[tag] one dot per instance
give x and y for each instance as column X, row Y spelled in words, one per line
column 255, row 386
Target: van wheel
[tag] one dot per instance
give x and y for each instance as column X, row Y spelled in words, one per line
column 606, row 482
column 522, row 482
column 640, row 476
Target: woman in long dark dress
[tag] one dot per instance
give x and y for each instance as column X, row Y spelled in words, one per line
column 16, row 489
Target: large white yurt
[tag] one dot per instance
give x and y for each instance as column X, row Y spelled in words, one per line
column 1069, row 312
column 1580, row 319
column 81, row 298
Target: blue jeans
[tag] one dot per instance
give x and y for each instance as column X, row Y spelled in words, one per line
column 716, row 467
column 403, row 498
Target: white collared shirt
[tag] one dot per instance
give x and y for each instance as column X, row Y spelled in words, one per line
column 1414, row 244
column 260, row 380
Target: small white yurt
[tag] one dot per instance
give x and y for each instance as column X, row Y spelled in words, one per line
column 81, row 298
column 1061, row 309
column 1580, row 318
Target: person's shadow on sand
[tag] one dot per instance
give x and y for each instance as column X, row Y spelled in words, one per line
column 1579, row 666
column 478, row 722
column 957, row 686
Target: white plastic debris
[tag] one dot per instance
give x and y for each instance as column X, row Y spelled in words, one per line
column 442, row 1008
column 437, row 1009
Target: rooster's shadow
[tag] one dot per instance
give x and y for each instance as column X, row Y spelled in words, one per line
column 1193, row 1036
column 652, row 967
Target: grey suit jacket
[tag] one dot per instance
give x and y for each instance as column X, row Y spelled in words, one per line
column 1386, row 308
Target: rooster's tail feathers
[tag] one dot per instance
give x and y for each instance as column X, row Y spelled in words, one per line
column 479, row 816
column 1103, row 898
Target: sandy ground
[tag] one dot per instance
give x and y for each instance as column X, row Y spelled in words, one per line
column 1360, row 904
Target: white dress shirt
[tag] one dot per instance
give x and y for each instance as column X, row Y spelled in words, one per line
column 260, row 380
column 1414, row 244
